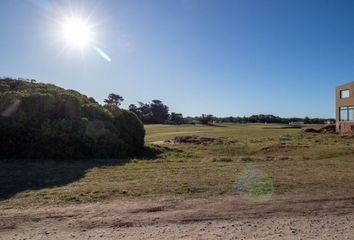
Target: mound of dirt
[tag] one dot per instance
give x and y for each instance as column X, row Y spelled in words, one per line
column 194, row 139
column 200, row 140
column 283, row 146
column 326, row 129
column 311, row 130
column 329, row 129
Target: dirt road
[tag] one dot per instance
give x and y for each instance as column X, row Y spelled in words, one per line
column 293, row 216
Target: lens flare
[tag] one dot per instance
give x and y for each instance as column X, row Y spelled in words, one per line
column 11, row 108
column 103, row 54
column 255, row 184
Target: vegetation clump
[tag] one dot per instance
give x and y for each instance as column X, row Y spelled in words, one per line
column 40, row 120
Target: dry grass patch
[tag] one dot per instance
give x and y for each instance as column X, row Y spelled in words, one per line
column 291, row 160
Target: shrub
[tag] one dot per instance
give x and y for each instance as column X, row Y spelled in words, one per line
column 45, row 121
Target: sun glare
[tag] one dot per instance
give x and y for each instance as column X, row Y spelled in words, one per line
column 76, row 32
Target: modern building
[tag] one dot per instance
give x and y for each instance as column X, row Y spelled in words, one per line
column 345, row 108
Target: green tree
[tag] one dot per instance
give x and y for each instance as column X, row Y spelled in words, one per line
column 114, row 99
column 159, row 111
column 206, row 118
column 176, row 118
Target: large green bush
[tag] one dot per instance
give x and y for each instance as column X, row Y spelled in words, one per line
column 45, row 121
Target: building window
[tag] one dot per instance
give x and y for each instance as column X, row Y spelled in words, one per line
column 346, row 113
column 351, row 113
column 344, row 93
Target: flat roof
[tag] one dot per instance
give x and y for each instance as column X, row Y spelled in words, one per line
column 345, row 84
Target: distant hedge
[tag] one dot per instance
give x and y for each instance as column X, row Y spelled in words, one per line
column 40, row 120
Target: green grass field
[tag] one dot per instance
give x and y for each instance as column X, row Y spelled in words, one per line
column 255, row 159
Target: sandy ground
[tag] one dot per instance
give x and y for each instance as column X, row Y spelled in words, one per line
column 293, row 216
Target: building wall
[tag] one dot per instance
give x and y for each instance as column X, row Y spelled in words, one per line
column 344, row 127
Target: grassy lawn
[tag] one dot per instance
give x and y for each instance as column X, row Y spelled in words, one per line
column 163, row 132
column 261, row 160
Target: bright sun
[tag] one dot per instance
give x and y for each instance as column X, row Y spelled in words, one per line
column 76, row 32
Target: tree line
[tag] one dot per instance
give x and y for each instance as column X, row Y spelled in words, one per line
column 148, row 113
column 157, row 112
column 259, row 118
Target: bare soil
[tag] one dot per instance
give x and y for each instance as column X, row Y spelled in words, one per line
column 287, row 216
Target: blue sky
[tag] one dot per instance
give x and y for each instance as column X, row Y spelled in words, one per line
column 237, row 57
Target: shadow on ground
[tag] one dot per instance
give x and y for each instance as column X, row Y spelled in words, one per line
column 20, row 175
